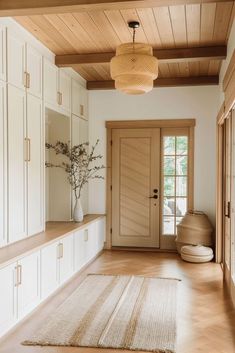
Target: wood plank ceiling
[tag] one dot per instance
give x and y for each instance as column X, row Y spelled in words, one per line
column 179, row 26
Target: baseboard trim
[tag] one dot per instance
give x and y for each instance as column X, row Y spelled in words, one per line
column 156, row 250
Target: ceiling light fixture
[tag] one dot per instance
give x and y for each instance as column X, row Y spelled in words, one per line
column 134, row 68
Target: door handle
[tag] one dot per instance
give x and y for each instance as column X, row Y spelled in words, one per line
column 153, row 197
column 228, row 210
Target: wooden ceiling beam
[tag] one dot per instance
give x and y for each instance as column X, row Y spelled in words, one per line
column 163, row 55
column 162, row 82
column 36, row 7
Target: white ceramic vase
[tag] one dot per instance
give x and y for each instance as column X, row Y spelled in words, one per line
column 78, row 212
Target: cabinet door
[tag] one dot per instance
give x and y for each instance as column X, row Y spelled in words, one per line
column 76, row 98
column 16, row 164
column 65, row 90
column 83, row 137
column 3, row 165
column 34, row 69
column 49, row 269
column 28, row 284
column 8, row 298
column 3, row 53
column 50, row 82
column 15, row 60
column 66, row 258
column 35, row 165
column 79, row 250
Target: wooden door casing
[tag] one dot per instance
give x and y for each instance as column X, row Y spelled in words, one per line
column 135, row 174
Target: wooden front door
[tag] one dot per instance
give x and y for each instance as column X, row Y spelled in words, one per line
column 135, row 187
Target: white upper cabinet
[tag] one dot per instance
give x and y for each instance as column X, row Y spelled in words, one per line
column 64, row 90
column 3, row 164
column 50, row 82
column 8, row 298
column 35, row 165
column 79, row 100
column 34, row 71
column 17, row 158
column 16, row 60
column 28, row 283
column 3, row 68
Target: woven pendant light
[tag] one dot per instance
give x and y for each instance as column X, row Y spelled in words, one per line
column 134, row 68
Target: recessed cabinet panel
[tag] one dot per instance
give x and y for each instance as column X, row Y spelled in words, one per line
column 35, row 164
column 65, row 91
column 15, row 60
column 49, row 270
column 8, row 298
column 79, row 249
column 16, row 164
column 28, row 283
column 3, row 53
column 34, row 71
column 84, row 103
column 50, row 82
column 3, row 165
column 66, row 258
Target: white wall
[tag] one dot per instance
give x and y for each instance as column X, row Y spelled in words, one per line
column 200, row 103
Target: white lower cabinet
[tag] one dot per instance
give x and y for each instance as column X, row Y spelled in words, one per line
column 19, row 290
column 31, row 279
column 49, row 270
column 8, row 298
column 66, row 267
column 28, row 284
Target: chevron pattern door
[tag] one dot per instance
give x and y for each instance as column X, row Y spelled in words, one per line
column 135, row 187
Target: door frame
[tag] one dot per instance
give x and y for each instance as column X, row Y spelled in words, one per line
column 140, row 124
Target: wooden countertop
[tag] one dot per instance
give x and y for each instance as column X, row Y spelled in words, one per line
column 54, row 231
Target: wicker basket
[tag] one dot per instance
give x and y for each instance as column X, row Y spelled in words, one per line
column 194, row 229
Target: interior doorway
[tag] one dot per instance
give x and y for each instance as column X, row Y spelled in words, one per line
column 150, row 182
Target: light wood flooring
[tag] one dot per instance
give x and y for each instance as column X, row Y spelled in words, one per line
column 206, row 318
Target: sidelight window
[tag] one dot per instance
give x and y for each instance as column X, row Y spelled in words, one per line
column 175, row 179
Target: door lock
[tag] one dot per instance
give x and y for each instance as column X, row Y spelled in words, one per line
column 155, row 191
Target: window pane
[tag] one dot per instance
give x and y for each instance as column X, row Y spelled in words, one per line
column 169, row 145
column 169, row 225
column 181, row 145
column 181, row 206
column 169, row 186
column 169, row 206
column 181, row 165
column 169, row 165
column 181, row 186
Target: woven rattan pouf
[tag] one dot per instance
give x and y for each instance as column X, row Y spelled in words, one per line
column 196, row 253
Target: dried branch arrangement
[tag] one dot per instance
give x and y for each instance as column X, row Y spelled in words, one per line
column 81, row 165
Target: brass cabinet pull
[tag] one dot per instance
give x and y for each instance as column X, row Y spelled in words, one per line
column 28, row 80
column 27, row 149
column 19, row 275
column 228, row 214
column 59, row 98
column 62, row 251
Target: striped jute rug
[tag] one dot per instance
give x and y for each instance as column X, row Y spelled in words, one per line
column 126, row 312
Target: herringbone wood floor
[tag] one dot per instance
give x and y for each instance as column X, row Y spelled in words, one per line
column 206, row 319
